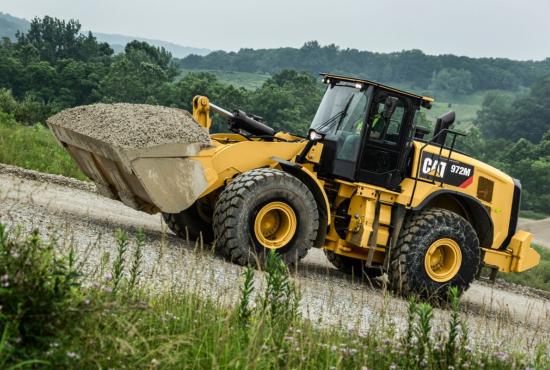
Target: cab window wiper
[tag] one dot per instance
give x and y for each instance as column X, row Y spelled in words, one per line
column 329, row 123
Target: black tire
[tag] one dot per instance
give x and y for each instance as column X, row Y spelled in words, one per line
column 408, row 266
column 191, row 220
column 351, row 266
column 242, row 200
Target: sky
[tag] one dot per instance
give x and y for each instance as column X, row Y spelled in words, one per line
column 478, row 28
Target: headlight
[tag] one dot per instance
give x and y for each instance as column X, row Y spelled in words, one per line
column 315, row 136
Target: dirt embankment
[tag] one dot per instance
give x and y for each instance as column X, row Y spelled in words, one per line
column 76, row 215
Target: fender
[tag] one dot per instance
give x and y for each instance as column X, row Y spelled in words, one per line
column 475, row 213
column 311, row 181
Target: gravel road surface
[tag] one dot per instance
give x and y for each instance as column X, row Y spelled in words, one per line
column 71, row 211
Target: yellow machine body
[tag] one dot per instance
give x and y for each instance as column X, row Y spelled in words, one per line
column 171, row 178
column 372, row 208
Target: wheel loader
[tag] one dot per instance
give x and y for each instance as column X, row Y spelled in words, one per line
column 367, row 184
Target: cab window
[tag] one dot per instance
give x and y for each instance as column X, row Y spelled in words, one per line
column 382, row 129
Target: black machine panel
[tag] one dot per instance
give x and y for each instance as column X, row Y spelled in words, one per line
column 449, row 171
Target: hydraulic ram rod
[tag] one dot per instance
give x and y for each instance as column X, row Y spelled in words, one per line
column 222, row 112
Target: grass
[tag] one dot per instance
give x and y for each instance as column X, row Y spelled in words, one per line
column 248, row 80
column 113, row 324
column 34, row 147
column 538, row 277
column 533, row 215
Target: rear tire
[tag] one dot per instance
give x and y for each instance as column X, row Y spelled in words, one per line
column 191, row 220
column 265, row 209
column 437, row 249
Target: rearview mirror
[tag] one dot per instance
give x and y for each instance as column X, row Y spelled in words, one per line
column 389, row 107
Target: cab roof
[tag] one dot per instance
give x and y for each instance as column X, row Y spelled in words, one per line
column 425, row 101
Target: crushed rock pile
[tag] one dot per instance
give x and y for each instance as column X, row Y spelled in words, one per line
column 132, row 125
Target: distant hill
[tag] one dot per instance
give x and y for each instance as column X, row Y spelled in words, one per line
column 178, row 51
column 9, row 25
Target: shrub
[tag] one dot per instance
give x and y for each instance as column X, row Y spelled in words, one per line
column 37, row 288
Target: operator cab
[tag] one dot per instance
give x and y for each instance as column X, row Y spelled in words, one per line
column 366, row 129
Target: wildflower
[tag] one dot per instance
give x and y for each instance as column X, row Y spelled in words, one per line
column 502, row 356
column 349, row 351
column 108, row 277
column 393, row 367
column 364, row 368
column 86, row 301
column 72, row 355
column 154, row 362
column 54, row 344
column 333, row 348
column 4, row 277
column 386, row 342
column 107, row 289
column 424, row 363
column 451, row 367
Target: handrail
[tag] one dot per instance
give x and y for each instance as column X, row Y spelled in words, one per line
column 441, row 147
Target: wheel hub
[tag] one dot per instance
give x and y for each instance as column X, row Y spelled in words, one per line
column 443, row 260
column 275, row 225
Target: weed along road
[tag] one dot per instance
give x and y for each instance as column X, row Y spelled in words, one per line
column 74, row 213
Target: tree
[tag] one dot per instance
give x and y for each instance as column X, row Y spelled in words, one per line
column 525, row 117
column 56, row 39
column 455, row 81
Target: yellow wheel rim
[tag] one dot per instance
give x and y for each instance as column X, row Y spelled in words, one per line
column 275, row 225
column 443, row 260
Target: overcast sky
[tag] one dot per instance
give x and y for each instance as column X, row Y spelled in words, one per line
column 494, row 28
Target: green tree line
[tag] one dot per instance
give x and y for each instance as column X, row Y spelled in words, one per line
column 412, row 67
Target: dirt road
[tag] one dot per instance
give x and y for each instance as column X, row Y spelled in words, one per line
column 75, row 215
column 539, row 228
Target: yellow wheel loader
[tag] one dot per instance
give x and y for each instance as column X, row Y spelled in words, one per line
column 366, row 185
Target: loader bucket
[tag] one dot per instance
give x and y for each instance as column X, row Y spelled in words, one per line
column 143, row 171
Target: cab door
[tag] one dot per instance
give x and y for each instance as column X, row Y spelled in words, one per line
column 386, row 141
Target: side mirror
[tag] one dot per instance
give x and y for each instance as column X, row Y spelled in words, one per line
column 389, row 107
column 443, row 123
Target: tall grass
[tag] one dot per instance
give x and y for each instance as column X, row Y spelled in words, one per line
column 131, row 328
column 34, row 147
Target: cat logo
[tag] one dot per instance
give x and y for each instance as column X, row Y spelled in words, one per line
column 434, row 167
column 446, row 170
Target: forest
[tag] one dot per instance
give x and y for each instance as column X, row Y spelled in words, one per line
column 458, row 74
column 54, row 66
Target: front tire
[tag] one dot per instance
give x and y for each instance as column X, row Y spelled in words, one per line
column 437, row 249
column 265, row 209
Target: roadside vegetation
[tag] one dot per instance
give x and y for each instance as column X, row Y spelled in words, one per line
column 110, row 320
column 34, row 147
